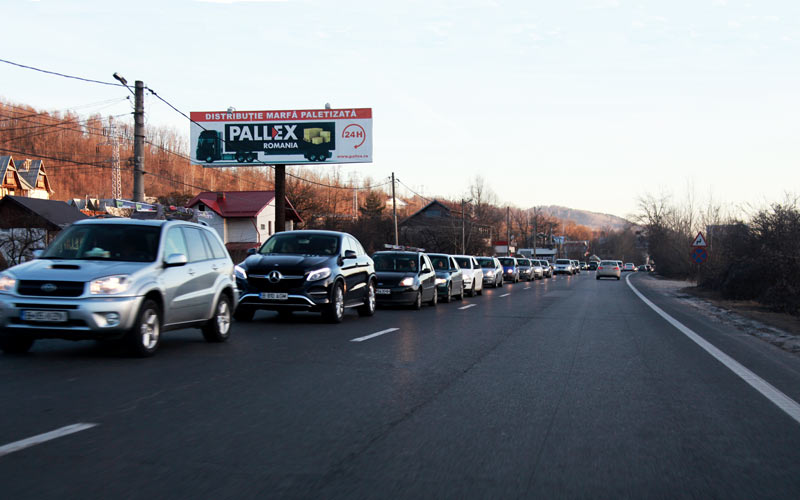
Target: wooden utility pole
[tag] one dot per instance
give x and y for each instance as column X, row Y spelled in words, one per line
column 394, row 213
column 280, row 198
column 463, row 232
column 138, row 143
column 508, row 231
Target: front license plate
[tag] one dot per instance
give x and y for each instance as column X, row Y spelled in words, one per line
column 383, row 291
column 274, row 296
column 45, row 316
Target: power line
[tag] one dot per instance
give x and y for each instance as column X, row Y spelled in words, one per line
column 55, row 73
column 416, row 193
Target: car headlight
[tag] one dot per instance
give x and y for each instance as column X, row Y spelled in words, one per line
column 319, row 274
column 110, row 285
column 407, row 281
column 441, row 281
column 490, row 273
column 7, row 283
column 240, row 272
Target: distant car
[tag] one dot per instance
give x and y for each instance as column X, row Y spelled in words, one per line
column 620, row 264
column 473, row 274
column 608, row 269
column 492, row 271
column 584, row 266
column 405, row 278
column 593, row 265
column 525, row 269
column 642, row 268
column 308, row 270
column 576, row 267
column 629, row 266
column 449, row 278
column 120, row 278
column 537, row 269
column 510, row 269
column 564, row 266
column 547, row 269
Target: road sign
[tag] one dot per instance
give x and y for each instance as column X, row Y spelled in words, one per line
column 699, row 241
column 699, row 255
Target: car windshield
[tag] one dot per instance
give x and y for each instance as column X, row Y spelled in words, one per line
column 523, row 262
column 395, row 262
column 507, row 261
column 464, row 262
column 301, row 244
column 117, row 242
column 563, row 262
column 439, row 262
column 486, row 262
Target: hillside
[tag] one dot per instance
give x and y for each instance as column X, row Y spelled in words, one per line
column 592, row 220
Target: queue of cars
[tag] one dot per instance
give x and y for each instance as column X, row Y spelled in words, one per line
column 132, row 280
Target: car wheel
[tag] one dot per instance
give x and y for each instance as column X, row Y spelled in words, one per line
column 460, row 296
column 480, row 292
column 334, row 312
column 16, row 344
column 417, row 304
column 244, row 313
column 145, row 336
column 218, row 328
column 435, row 299
column 618, row 278
column 472, row 289
column 448, row 297
column 368, row 309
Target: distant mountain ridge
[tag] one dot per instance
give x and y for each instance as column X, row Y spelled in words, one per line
column 593, row 220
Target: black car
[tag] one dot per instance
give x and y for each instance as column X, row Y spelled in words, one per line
column 593, row 265
column 322, row 271
column 405, row 278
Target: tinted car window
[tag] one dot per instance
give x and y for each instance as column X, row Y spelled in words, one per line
column 486, row 262
column 464, row 262
column 507, row 261
column 303, row 244
column 128, row 243
column 563, row 262
column 439, row 262
column 395, row 262
column 196, row 245
column 216, row 248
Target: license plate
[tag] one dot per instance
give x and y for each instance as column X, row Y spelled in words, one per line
column 275, row 296
column 45, row 316
column 383, row 291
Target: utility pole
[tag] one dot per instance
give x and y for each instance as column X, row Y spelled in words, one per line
column 394, row 213
column 508, row 231
column 463, row 233
column 280, row 198
column 138, row 143
column 535, row 231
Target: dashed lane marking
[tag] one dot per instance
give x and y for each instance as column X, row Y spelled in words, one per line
column 766, row 389
column 467, row 306
column 373, row 335
column 505, row 295
column 41, row 438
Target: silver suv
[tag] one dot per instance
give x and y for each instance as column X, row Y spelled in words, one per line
column 120, row 278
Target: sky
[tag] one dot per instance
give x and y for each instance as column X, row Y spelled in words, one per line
column 586, row 104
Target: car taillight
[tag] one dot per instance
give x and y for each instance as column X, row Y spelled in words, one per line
column 616, row 269
column 599, row 268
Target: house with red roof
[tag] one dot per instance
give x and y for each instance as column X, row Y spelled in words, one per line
column 243, row 219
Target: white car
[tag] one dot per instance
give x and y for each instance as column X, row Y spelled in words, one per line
column 537, row 270
column 564, row 266
column 473, row 274
column 608, row 269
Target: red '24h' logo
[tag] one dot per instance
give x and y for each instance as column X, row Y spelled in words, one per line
column 356, row 132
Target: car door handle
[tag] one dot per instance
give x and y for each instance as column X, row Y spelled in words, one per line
column 190, row 271
column 215, row 267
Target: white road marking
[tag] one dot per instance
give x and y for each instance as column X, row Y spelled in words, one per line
column 781, row 400
column 505, row 295
column 41, row 438
column 373, row 335
column 467, row 306
column 527, row 288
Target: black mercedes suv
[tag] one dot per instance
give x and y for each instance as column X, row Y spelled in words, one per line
column 322, row 271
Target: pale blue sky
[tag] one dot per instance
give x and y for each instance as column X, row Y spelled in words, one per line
column 614, row 97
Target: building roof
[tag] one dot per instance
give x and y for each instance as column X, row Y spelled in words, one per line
column 240, row 203
column 56, row 213
column 31, row 171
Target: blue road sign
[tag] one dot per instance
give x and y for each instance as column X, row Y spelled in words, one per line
column 699, row 255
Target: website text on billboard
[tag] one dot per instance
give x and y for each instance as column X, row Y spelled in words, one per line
column 222, row 138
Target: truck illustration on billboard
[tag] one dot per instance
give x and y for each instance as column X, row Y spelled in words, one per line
column 244, row 142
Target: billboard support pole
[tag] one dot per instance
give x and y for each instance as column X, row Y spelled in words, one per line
column 280, row 198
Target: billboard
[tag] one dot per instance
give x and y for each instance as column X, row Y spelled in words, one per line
column 294, row 137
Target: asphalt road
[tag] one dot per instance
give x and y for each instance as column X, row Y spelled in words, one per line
column 562, row 388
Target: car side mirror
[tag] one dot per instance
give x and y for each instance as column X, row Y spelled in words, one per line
column 350, row 254
column 425, row 270
column 175, row 259
column 251, row 251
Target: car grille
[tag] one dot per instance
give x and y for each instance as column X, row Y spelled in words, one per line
column 63, row 288
column 284, row 285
